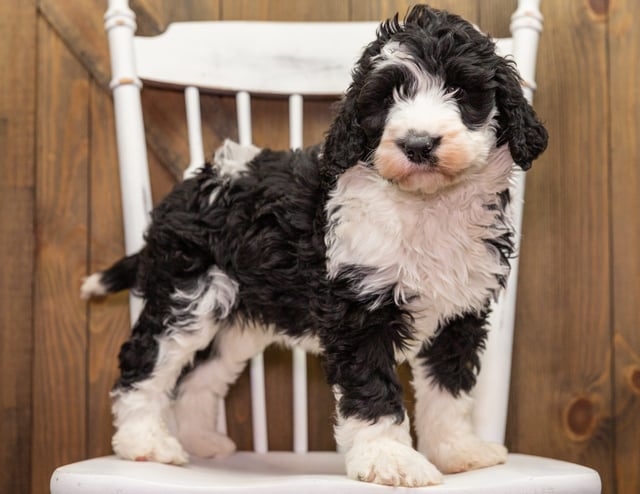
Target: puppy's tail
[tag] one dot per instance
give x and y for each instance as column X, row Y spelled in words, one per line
column 120, row 276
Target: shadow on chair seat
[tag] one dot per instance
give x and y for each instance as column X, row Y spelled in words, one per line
column 309, row 473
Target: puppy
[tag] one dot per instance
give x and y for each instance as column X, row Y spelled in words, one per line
column 385, row 243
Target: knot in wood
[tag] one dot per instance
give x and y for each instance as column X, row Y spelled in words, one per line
column 581, row 418
column 634, row 379
column 599, row 7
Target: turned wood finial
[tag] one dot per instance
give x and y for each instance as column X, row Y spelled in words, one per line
column 120, row 24
column 526, row 26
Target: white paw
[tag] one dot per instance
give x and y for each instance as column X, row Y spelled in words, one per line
column 148, row 444
column 466, row 453
column 207, row 444
column 389, row 462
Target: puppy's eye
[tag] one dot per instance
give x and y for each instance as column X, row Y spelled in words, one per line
column 453, row 90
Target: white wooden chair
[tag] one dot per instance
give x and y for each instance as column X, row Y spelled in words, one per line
column 211, row 56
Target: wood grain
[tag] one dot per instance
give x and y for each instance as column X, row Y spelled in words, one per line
column 108, row 317
column 575, row 391
column 162, row 181
column 624, row 53
column 153, row 16
column 279, row 391
column 321, row 408
column 561, row 355
column 17, row 242
column 274, row 10
column 16, row 334
column 494, row 17
column 371, row 10
column 80, row 25
column 165, row 123
column 59, row 387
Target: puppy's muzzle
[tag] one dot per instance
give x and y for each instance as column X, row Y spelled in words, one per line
column 419, row 148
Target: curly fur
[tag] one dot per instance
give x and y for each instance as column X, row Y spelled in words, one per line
column 383, row 244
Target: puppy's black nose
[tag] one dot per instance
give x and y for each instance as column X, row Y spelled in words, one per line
column 419, row 148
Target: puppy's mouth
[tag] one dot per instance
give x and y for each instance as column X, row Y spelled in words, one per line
column 419, row 163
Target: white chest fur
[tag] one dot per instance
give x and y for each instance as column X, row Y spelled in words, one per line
column 433, row 250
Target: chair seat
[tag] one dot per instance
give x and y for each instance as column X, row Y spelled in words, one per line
column 310, row 473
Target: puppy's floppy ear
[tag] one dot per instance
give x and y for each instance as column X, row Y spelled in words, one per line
column 345, row 142
column 517, row 122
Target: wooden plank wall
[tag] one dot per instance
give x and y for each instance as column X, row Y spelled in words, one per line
column 624, row 166
column 562, row 395
column 576, row 377
column 17, row 240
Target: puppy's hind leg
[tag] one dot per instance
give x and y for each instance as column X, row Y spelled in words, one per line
column 202, row 389
column 164, row 341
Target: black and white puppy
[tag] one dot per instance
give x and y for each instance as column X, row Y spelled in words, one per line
column 386, row 243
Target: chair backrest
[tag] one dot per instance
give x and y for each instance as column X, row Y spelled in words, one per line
column 293, row 60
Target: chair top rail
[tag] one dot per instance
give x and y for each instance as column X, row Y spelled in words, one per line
column 262, row 58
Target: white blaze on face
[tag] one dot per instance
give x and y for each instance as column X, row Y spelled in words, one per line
column 431, row 111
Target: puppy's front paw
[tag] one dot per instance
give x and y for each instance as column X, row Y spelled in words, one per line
column 148, row 444
column 388, row 462
column 467, row 453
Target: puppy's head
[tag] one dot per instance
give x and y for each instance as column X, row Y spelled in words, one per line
column 430, row 99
